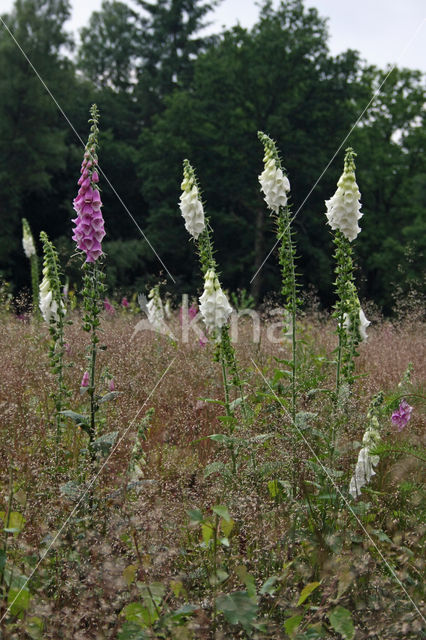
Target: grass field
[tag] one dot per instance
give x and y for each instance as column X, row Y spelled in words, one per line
column 168, row 541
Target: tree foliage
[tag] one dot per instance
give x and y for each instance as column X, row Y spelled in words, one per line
column 166, row 91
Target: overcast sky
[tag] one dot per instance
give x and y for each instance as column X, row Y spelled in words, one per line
column 384, row 31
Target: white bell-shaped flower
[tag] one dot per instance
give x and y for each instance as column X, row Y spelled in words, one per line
column 28, row 244
column 214, row 306
column 364, row 471
column 344, row 208
column 48, row 306
column 275, row 185
column 155, row 310
column 192, row 209
column 363, row 324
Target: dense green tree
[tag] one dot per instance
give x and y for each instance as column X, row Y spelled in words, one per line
column 390, row 142
column 279, row 78
column 32, row 138
column 170, row 41
column 110, row 46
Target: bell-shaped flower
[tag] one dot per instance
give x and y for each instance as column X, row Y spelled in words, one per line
column 48, row 306
column 275, row 185
column 344, row 208
column 27, row 240
column 155, row 310
column 362, row 326
column 364, row 471
column 214, row 306
column 190, row 203
column 402, row 415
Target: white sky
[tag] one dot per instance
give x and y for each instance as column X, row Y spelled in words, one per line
column 384, row 31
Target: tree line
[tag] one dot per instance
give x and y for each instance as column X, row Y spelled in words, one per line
column 166, row 91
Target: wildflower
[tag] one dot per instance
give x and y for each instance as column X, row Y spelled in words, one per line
column 190, row 203
column 344, row 208
column 214, row 305
column 401, row 417
column 124, row 302
column 203, row 340
column 111, row 386
column 85, row 380
column 364, row 469
column 89, row 230
column 155, row 309
column 192, row 311
column 48, row 306
column 108, row 307
column 362, row 326
column 27, row 239
column 275, row 185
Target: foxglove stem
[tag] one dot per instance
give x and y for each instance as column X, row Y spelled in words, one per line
column 93, row 294
column 202, row 233
column 54, row 313
column 275, row 186
column 31, row 253
column 347, row 306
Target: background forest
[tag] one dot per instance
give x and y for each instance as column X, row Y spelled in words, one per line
column 166, row 92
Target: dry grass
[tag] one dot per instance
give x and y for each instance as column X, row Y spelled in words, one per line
column 80, row 589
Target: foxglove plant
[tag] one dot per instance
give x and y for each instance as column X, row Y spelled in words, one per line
column 88, row 234
column 31, row 253
column 214, row 305
column 343, row 213
column 276, row 186
column 364, row 469
column 53, row 310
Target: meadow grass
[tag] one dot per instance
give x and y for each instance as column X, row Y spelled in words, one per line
column 186, row 548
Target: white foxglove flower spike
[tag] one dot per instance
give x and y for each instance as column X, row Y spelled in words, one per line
column 27, row 240
column 344, row 208
column 48, row 306
column 275, row 185
column 214, row 306
column 155, row 309
column 190, row 203
column 363, row 324
column 364, row 469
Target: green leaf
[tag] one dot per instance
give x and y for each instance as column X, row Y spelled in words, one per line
column 247, row 579
column 111, row 395
column 105, row 443
column 129, row 574
column 214, row 467
column 77, row 417
column 222, row 511
column 341, row 621
column 220, row 437
column 207, row 531
column 227, row 527
column 18, row 600
column 291, row 624
column 238, row 608
column 15, row 522
column 195, row 515
column 269, row 586
column 132, row 631
column 306, row 592
column 184, row 612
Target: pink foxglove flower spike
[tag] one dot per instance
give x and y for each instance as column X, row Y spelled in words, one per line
column 402, row 415
column 89, row 223
column 85, row 380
